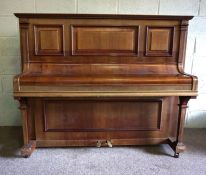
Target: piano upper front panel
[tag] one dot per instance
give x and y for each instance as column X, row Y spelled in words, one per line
column 114, row 51
column 103, row 41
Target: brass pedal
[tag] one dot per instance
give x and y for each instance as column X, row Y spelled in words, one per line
column 109, row 143
column 99, row 144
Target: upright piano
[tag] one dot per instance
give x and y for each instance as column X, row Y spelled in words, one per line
column 103, row 80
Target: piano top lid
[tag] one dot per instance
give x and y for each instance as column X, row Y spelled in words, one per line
column 100, row 16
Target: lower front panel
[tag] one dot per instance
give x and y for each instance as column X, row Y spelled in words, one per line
column 102, row 115
column 80, row 122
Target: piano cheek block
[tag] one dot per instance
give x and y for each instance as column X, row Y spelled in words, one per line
column 103, row 80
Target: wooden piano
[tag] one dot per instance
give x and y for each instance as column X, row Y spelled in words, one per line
column 103, row 80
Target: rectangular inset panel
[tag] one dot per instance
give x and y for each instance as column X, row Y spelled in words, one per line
column 48, row 39
column 102, row 115
column 101, row 40
column 159, row 41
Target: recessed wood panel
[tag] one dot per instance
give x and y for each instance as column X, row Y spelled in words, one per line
column 159, row 41
column 48, row 39
column 102, row 115
column 97, row 40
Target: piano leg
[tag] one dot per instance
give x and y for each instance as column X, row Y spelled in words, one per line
column 177, row 145
column 27, row 149
column 29, row 145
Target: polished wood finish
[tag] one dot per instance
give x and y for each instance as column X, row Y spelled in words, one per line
column 159, row 41
column 104, row 40
column 65, row 115
column 103, row 80
column 48, row 39
column 24, row 110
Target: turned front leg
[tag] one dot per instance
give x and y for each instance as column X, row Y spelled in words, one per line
column 29, row 146
column 24, row 112
column 179, row 146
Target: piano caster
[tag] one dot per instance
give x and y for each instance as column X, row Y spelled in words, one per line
column 176, row 155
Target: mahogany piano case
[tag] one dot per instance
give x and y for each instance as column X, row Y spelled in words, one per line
column 103, row 80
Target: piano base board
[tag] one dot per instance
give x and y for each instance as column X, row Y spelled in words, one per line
column 28, row 149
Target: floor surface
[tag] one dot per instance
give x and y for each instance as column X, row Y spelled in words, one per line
column 101, row 161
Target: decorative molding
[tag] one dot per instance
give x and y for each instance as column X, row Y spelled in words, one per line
column 159, row 41
column 24, row 44
column 105, row 40
column 157, row 101
column 49, row 39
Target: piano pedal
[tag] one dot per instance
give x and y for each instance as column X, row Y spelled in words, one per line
column 109, row 143
column 99, row 144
